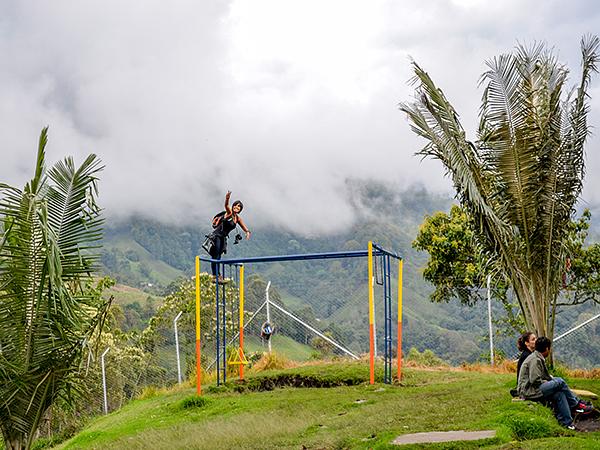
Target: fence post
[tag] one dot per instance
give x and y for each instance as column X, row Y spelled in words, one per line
column 268, row 313
column 489, row 300
column 104, row 380
column 177, row 346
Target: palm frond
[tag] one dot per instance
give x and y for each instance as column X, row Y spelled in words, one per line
column 45, row 312
column 521, row 180
column 433, row 118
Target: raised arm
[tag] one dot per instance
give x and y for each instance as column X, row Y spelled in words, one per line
column 228, row 211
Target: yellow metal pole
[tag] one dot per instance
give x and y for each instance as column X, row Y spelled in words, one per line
column 371, row 317
column 242, row 321
column 399, row 351
column 198, row 367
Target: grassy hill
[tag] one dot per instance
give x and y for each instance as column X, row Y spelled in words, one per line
column 130, row 263
column 348, row 413
column 126, row 295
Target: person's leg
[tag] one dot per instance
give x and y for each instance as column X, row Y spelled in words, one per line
column 572, row 399
column 215, row 252
column 555, row 390
column 559, row 383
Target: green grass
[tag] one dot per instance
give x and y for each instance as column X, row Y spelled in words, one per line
column 283, row 345
column 349, row 414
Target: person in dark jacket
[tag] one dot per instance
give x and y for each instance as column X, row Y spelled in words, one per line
column 224, row 225
column 526, row 345
column 536, row 383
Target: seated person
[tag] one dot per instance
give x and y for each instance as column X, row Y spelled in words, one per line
column 535, row 383
column 526, row 345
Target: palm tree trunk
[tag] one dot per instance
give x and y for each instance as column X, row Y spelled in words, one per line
column 15, row 441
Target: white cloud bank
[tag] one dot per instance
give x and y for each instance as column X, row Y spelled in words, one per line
column 279, row 101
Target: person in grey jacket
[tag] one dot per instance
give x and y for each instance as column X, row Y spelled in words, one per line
column 535, row 383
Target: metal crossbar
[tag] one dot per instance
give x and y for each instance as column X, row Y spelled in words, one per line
column 302, row 257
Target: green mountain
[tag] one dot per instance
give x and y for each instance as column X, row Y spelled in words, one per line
column 328, row 294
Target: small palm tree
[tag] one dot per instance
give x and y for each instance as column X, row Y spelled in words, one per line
column 521, row 178
column 48, row 237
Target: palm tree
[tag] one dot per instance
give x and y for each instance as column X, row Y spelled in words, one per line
column 48, row 310
column 521, row 178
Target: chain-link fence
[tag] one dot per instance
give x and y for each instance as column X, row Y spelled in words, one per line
column 576, row 342
column 314, row 310
column 324, row 316
column 577, row 337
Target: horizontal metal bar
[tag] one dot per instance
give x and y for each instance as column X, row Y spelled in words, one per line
column 300, row 257
column 382, row 250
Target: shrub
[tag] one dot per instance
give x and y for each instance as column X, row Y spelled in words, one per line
column 194, row 401
column 425, row 359
column 272, row 361
column 524, row 426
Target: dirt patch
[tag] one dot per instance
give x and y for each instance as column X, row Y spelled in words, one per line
column 588, row 423
column 268, row 383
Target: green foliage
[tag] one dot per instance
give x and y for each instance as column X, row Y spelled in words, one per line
column 355, row 414
column 324, row 347
column 194, row 401
column 530, row 425
column 129, row 263
column 271, row 361
column 49, row 306
column 456, row 265
column 520, row 180
column 581, row 278
column 426, row 359
column 160, row 329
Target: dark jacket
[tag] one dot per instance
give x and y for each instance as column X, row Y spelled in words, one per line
column 533, row 373
column 524, row 354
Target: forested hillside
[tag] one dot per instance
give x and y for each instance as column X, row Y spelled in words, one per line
column 144, row 253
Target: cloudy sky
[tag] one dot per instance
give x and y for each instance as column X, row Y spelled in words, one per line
column 279, row 101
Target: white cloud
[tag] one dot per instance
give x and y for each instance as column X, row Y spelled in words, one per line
column 279, row 101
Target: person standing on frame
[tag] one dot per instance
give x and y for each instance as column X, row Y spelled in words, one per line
column 223, row 224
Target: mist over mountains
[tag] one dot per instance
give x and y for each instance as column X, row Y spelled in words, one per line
column 382, row 214
column 146, row 253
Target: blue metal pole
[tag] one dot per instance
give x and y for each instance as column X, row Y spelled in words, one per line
column 218, row 325
column 388, row 318
column 384, row 269
column 224, row 325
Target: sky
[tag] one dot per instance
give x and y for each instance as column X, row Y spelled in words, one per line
column 279, row 101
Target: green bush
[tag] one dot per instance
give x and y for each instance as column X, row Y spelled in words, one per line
column 426, row 359
column 524, row 426
column 194, row 401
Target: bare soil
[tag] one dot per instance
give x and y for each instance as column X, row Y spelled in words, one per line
column 587, row 423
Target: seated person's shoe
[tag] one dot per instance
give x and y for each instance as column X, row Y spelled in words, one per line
column 583, row 408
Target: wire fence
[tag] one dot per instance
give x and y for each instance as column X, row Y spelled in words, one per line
column 325, row 319
column 577, row 339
